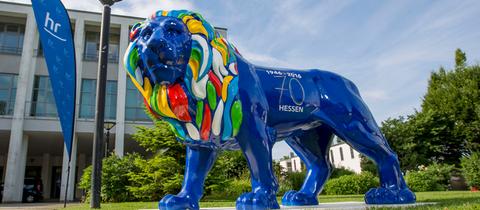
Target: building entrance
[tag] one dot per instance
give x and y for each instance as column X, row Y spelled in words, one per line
column 56, row 182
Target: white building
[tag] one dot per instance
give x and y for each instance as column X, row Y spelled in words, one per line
column 292, row 164
column 341, row 155
column 31, row 142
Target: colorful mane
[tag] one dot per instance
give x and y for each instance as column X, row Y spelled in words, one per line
column 206, row 105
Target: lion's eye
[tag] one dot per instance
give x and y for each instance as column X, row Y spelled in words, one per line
column 172, row 28
column 146, row 33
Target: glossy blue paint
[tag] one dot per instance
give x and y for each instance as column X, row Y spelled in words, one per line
column 303, row 107
column 166, row 56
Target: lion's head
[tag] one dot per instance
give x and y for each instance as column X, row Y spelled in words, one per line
column 187, row 74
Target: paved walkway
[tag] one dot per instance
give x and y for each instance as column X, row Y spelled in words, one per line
column 31, row 206
column 337, row 206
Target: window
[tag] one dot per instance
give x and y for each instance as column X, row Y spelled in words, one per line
column 11, row 38
column 134, row 107
column 43, row 102
column 92, row 44
column 88, row 98
column 331, row 156
column 341, row 154
column 352, row 154
column 39, row 51
column 8, row 91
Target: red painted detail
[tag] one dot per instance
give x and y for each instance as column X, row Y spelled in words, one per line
column 133, row 34
column 206, row 123
column 236, row 50
column 216, row 82
column 178, row 102
column 150, row 109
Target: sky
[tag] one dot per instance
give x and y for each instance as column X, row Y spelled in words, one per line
column 387, row 48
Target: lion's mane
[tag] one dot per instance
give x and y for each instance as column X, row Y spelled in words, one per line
column 207, row 106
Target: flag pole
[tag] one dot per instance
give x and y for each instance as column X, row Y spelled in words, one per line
column 68, row 177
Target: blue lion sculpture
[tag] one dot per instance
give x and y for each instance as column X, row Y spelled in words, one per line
column 214, row 100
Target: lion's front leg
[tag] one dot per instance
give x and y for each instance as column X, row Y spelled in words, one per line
column 199, row 161
column 256, row 145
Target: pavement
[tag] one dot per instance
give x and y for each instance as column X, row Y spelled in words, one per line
column 32, row 206
column 323, row 206
column 335, row 206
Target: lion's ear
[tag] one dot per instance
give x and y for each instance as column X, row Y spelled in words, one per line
column 131, row 61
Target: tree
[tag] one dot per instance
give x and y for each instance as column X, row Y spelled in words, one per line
column 460, row 59
column 160, row 139
column 456, row 95
column 448, row 125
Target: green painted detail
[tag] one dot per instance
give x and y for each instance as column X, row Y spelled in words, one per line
column 196, row 54
column 177, row 134
column 237, row 116
column 212, row 95
column 134, row 59
column 154, row 100
column 199, row 117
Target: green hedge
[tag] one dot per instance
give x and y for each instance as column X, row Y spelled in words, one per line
column 435, row 177
column 351, row 184
column 471, row 169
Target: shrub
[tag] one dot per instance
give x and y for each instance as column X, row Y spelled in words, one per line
column 230, row 165
column 157, row 177
column 435, row 177
column 115, row 178
column 338, row 172
column 351, row 184
column 471, row 169
column 295, row 179
column 234, row 188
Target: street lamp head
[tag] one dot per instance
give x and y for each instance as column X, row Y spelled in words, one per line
column 109, row 2
column 108, row 125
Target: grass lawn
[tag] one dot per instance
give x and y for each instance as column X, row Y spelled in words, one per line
column 445, row 200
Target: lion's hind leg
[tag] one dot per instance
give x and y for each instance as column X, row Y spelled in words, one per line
column 359, row 130
column 312, row 147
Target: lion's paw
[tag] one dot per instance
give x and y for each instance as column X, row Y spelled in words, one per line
column 294, row 198
column 173, row 202
column 389, row 196
column 254, row 201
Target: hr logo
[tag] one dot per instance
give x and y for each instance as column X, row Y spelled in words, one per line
column 51, row 27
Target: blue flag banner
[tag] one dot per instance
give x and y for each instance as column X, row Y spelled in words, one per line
column 56, row 37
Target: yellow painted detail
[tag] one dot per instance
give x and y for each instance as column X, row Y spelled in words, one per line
column 164, row 13
column 148, row 89
column 138, row 86
column 186, row 18
column 196, row 27
column 163, row 103
column 221, row 49
column 226, row 82
column 194, row 65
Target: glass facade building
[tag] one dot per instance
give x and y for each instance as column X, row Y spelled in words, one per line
column 43, row 102
column 88, row 97
column 8, row 89
column 134, row 105
column 11, row 38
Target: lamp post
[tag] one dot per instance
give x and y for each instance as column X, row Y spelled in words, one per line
column 100, row 104
column 108, row 126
